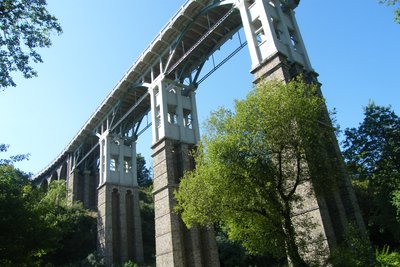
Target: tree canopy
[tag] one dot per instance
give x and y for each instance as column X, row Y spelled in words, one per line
column 24, row 27
column 146, row 209
column 21, row 229
column 372, row 155
column 43, row 228
column 38, row 228
column 143, row 174
column 396, row 11
column 70, row 229
column 12, row 159
column 249, row 166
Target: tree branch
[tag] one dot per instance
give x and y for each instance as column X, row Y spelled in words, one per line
column 298, row 176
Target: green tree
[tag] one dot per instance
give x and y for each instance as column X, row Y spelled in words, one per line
column 12, row 159
column 71, row 229
column 24, row 27
column 20, row 222
column 232, row 254
column 396, row 11
column 372, row 155
column 386, row 258
column 396, row 203
column 148, row 223
column 21, row 228
column 143, row 173
column 39, row 228
column 353, row 251
column 250, row 164
column 146, row 209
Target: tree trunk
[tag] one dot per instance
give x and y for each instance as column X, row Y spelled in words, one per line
column 290, row 239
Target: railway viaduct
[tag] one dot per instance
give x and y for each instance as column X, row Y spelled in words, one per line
column 99, row 163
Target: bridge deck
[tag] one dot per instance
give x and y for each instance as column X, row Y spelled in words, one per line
column 178, row 52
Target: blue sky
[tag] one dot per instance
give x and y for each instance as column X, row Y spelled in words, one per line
column 353, row 45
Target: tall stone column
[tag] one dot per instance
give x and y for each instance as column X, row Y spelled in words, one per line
column 73, row 185
column 119, row 221
column 175, row 133
column 104, row 224
column 86, row 188
column 278, row 53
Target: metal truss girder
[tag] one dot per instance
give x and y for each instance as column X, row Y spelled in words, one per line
column 137, row 127
column 113, row 111
column 174, row 46
column 199, row 68
column 216, row 47
column 212, row 29
column 141, row 99
column 126, row 128
column 148, row 125
column 222, row 62
column 86, row 155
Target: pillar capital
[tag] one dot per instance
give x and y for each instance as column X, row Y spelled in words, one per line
column 174, row 112
column 271, row 28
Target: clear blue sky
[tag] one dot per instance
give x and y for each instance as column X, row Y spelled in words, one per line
column 353, row 45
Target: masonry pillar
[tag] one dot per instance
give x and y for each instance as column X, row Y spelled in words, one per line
column 119, row 221
column 175, row 134
column 278, row 53
column 73, row 185
column 86, row 188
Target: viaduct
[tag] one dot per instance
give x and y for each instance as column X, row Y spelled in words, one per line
column 99, row 164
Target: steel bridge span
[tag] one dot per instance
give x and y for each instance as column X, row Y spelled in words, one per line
column 99, row 164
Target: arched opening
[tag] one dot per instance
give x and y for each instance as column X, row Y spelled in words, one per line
column 115, row 215
column 130, row 225
column 54, row 177
column 63, row 172
column 44, row 185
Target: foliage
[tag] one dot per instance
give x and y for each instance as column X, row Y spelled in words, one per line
column 38, row 228
column 249, row 166
column 233, row 254
column 372, row 156
column 393, row 3
column 13, row 159
column 21, row 227
column 146, row 209
column 143, row 173
column 93, row 259
column 396, row 203
column 44, row 228
column 385, row 258
column 353, row 251
column 130, row 264
column 334, row 122
column 24, row 26
column 72, row 228
column 230, row 253
column 148, row 224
